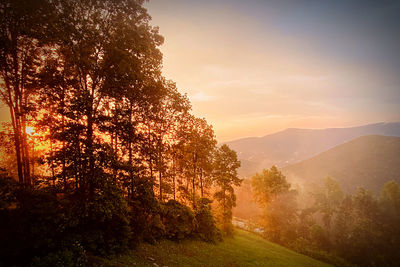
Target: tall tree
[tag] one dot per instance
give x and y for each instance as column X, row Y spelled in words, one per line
column 328, row 200
column 109, row 54
column 268, row 185
column 225, row 177
column 164, row 122
column 22, row 25
column 273, row 193
column 199, row 143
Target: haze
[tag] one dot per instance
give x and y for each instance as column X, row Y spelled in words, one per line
column 255, row 67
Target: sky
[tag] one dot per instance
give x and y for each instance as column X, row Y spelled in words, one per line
column 255, row 67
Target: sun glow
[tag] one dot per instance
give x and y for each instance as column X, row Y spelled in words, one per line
column 29, row 130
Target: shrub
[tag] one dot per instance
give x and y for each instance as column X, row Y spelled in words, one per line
column 100, row 221
column 144, row 211
column 74, row 256
column 178, row 219
column 36, row 227
column 206, row 226
column 8, row 189
column 45, row 230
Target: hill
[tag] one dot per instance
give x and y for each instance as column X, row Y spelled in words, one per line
column 244, row 249
column 294, row 145
column 367, row 161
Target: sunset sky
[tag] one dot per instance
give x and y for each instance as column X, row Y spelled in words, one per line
column 256, row 67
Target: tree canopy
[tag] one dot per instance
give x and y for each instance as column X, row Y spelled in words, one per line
column 116, row 151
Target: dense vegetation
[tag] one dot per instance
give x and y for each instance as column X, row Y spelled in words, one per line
column 362, row 228
column 104, row 149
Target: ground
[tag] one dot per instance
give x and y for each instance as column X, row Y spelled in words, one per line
column 244, row 249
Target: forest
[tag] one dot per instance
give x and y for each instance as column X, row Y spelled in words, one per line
column 102, row 157
column 343, row 229
column 101, row 152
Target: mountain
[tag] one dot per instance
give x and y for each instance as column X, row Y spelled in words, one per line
column 294, row 145
column 367, row 161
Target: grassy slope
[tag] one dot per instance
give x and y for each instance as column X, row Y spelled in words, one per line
column 245, row 249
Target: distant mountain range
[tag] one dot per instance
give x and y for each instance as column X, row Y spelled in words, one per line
column 294, row 145
column 367, row 161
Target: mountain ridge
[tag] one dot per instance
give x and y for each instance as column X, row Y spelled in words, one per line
column 296, row 144
column 367, row 161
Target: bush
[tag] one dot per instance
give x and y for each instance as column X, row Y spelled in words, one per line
column 100, row 221
column 8, row 189
column 206, row 226
column 145, row 221
column 36, row 227
column 70, row 257
column 178, row 219
column 45, row 230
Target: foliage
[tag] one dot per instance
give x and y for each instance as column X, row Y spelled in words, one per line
column 101, row 221
column 116, row 138
column 273, row 193
column 46, row 228
column 322, row 255
column 8, row 188
column 206, row 225
column 226, row 177
column 327, row 200
column 22, row 39
column 179, row 220
column 144, row 213
column 36, row 227
column 280, row 217
column 360, row 228
column 268, row 185
column 69, row 257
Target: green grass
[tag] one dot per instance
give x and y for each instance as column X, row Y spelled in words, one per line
column 244, row 249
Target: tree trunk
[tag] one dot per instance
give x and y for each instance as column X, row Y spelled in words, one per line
column 17, row 144
column 201, row 182
column 193, row 184
column 130, row 155
column 89, row 137
column 25, row 153
column 173, row 175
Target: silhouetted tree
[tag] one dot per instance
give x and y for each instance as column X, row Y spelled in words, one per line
column 22, row 37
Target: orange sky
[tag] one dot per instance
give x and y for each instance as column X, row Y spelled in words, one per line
column 249, row 76
column 256, row 67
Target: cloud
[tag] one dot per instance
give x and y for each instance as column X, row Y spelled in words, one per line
column 200, row 96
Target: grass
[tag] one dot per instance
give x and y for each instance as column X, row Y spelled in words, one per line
column 244, row 249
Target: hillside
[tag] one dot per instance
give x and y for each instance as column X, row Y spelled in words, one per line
column 294, row 145
column 367, row 161
column 245, row 249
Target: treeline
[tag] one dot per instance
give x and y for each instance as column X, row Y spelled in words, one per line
column 113, row 155
column 362, row 228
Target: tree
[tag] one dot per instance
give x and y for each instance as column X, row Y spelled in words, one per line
column 343, row 227
column 163, row 125
column 389, row 203
column 106, row 75
column 225, row 177
column 268, row 185
column 328, row 201
column 21, row 41
column 197, row 145
column 365, row 241
column 273, row 193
